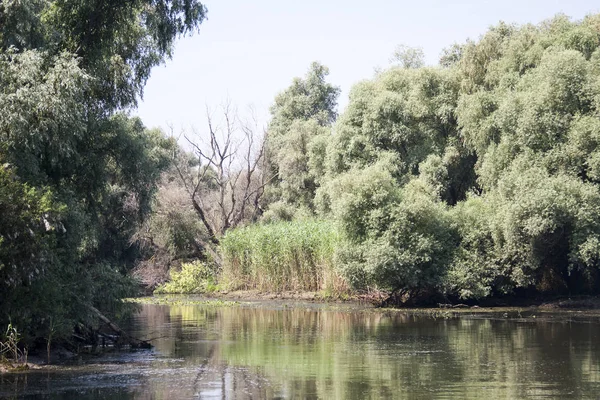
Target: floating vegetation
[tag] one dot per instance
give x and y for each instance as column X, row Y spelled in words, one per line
column 183, row 301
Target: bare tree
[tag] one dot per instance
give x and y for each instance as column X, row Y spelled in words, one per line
column 227, row 183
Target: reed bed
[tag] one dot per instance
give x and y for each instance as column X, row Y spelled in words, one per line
column 283, row 256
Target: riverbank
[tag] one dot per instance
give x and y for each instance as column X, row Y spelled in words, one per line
column 375, row 298
column 370, row 301
column 14, row 367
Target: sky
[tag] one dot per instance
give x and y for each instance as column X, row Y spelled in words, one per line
column 248, row 51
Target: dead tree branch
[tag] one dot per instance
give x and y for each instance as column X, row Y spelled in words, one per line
column 227, row 182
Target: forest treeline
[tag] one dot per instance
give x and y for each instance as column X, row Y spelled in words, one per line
column 471, row 179
column 478, row 177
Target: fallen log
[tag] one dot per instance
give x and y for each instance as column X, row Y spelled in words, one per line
column 123, row 336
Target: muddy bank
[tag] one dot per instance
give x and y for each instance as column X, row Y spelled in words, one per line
column 15, row 367
column 254, row 295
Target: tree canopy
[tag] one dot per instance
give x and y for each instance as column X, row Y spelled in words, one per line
column 474, row 178
column 296, row 139
column 477, row 177
column 78, row 174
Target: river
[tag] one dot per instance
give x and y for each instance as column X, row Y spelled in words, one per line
column 303, row 351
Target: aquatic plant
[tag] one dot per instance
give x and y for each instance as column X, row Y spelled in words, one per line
column 296, row 255
column 182, row 301
column 9, row 346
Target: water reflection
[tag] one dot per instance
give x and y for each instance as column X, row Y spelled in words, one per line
column 307, row 352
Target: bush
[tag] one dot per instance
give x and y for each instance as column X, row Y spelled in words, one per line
column 475, row 270
column 547, row 227
column 410, row 250
column 395, row 238
column 194, row 277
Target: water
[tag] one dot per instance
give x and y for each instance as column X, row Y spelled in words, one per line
column 278, row 350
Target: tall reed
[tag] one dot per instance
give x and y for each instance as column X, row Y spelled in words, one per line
column 296, row 255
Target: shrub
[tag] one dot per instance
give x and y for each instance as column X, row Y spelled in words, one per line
column 395, row 238
column 475, row 270
column 534, row 231
column 194, row 277
column 547, row 227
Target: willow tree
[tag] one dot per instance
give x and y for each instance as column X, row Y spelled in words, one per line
column 68, row 71
column 478, row 177
column 529, row 109
column 301, row 120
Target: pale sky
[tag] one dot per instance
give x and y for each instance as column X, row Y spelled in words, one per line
column 248, row 51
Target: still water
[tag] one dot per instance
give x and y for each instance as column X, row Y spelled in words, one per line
column 303, row 351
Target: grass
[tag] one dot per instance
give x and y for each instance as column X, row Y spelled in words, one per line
column 10, row 352
column 282, row 256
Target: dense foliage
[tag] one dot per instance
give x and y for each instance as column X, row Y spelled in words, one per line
column 296, row 143
column 475, row 178
column 194, row 277
column 77, row 174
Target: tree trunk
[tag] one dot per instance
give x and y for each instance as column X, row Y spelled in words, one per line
column 200, row 212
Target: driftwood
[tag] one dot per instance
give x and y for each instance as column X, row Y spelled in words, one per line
column 442, row 305
column 123, row 337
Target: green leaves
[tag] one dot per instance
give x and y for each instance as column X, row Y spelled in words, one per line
column 42, row 120
column 409, row 112
column 506, row 135
column 120, row 42
column 78, row 176
column 308, row 98
column 30, row 220
column 297, row 136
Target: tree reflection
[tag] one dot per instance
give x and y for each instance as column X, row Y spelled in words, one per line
column 310, row 352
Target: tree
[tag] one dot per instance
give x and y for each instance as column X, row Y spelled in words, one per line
column 528, row 110
column 504, row 132
column 408, row 57
column 172, row 234
column 117, row 42
column 31, row 214
column 68, row 69
column 299, row 128
column 397, row 238
column 227, row 183
column 305, row 99
column 407, row 115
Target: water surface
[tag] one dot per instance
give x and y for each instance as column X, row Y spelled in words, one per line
column 294, row 350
